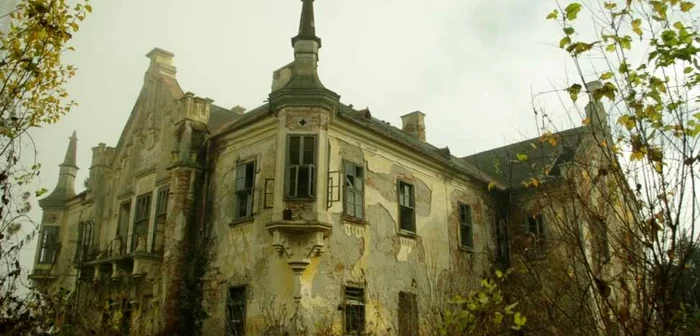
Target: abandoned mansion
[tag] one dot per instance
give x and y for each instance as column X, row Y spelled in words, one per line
column 302, row 213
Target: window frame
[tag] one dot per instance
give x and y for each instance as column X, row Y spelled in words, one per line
column 45, row 246
column 502, row 242
column 141, row 220
column 162, row 197
column 354, row 190
column 466, row 220
column 347, row 303
column 228, row 313
column 250, row 192
column 411, row 206
column 312, row 168
column 540, row 238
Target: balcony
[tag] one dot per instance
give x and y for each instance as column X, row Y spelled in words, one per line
column 124, row 255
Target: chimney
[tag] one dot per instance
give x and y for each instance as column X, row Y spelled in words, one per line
column 595, row 111
column 238, row 109
column 162, row 62
column 414, row 124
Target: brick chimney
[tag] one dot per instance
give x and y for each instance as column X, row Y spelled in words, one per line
column 414, row 124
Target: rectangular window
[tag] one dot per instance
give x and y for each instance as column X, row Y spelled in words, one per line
column 407, row 213
column 301, row 169
column 354, row 311
column 235, row 311
column 124, row 213
column 141, row 217
column 502, row 244
column 245, row 183
column 162, row 202
column 465, row 226
column 601, row 241
column 354, row 190
column 408, row 314
column 48, row 245
column 535, row 227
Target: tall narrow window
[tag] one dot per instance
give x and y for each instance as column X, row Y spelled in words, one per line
column 535, row 227
column 354, row 311
column 235, row 311
column 502, row 244
column 354, row 190
column 162, row 202
column 245, row 182
column 141, row 217
column 466, row 234
column 407, row 212
column 408, row 314
column 301, row 170
column 124, row 213
column 600, row 240
column 48, row 245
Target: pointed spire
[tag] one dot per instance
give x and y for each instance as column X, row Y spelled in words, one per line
column 65, row 187
column 71, row 152
column 307, row 26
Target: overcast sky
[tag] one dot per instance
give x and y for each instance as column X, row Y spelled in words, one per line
column 469, row 65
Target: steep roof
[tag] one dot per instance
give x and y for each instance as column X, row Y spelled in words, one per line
column 503, row 164
column 363, row 118
column 219, row 116
column 239, row 120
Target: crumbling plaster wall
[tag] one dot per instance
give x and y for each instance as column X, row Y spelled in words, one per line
column 369, row 254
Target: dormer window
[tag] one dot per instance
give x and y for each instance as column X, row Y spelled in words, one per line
column 301, row 169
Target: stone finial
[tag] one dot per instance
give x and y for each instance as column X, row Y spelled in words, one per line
column 414, row 124
column 162, row 62
column 595, row 111
column 307, row 25
column 102, row 155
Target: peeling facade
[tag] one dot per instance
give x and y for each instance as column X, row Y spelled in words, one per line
column 271, row 218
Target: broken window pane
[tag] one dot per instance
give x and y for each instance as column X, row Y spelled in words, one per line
column 465, row 226
column 300, row 166
column 406, row 212
column 49, row 245
column 354, row 196
column 245, row 182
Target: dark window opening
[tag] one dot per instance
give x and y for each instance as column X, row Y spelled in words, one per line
column 235, row 311
column 245, row 183
column 466, row 235
column 301, row 170
column 124, row 213
column 49, row 245
column 601, row 241
column 354, row 311
column 535, row 227
column 408, row 314
column 354, row 190
column 407, row 213
column 502, row 244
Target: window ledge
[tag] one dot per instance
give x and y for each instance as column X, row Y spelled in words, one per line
column 407, row 234
column 299, row 199
column 466, row 249
column 242, row 220
column 354, row 220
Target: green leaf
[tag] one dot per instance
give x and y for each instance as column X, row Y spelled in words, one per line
column 522, row 157
column 509, row 308
column 492, row 185
column 564, row 42
column 553, row 15
column 610, row 5
column 610, row 47
column 572, row 11
column 499, row 274
column 569, row 30
column 686, row 6
column 606, row 75
column 574, row 91
column 636, row 26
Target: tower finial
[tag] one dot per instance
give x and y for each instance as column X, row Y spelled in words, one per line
column 65, row 187
column 71, row 152
column 307, row 26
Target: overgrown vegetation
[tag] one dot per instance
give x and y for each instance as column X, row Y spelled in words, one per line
column 620, row 202
column 32, row 94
